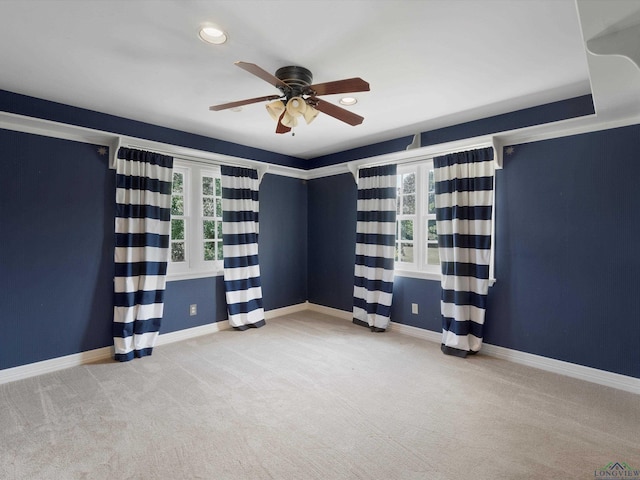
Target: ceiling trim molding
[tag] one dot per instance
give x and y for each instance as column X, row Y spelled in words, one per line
column 210, row 158
column 49, row 128
column 52, row 129
column 499, row 140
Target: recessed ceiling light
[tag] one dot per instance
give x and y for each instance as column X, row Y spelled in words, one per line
column 211, row 34
column 348, row 101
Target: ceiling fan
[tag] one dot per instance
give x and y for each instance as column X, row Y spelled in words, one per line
column 299, row 98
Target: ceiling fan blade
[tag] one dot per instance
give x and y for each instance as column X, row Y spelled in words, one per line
column 337, row 112
column 280, row 128
column 348, row 85
column 261, row 73
column 240, row 103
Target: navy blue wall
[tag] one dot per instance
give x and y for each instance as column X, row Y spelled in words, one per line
column 567, row 259
column 426, row 293
column 57, row 202
column 541, row 114
column 332, row 240
column 550, row 112
column 332, row 246
column 567, row 264
column 206, row 293
column 56, row 274
column 283, row 241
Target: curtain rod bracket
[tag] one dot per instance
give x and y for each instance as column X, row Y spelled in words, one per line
column 416, row 143
column 114, row 146
column 353, row 168
column 498, row 148
column 262, row 169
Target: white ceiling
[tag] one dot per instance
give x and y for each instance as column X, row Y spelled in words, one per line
column 430, row 63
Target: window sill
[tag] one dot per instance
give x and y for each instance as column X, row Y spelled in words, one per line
column 418, row 274
column 436, row 276
column 173, row 277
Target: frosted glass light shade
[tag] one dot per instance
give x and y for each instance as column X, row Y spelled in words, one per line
column 275, row 109
column 289, row 120
column 310, row 114
column 296, row 106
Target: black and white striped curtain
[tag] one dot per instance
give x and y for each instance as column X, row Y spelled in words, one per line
column 240, row 207
column 464, row 207
column 375, row 247
column 142, row 220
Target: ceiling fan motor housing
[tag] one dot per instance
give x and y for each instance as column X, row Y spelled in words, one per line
column 296, row 78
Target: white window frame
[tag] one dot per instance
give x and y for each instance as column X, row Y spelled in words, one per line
column 194, row 265
column 419, row 268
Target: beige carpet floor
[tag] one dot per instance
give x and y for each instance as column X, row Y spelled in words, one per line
column 312, row 397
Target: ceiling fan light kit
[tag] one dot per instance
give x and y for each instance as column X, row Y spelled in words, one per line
column 296, row 106
column 310, row 114
column 299, row 96
column 276, row 109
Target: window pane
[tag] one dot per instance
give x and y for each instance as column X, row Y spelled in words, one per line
column 409, row 204
column 432, row 203
column 208, row 209
column 433, row 258
column 177, row 205
column 218, row 188
column 177, row 251
column 408, row 183
column 207, row 186
column 178, row 183
column 209, row 229
column 220, row 256
column 218, row 207
column 209, row 251
column 406, row 252
column 432, row 233
column 406, row 230
column 432, row 183
column 177, row 229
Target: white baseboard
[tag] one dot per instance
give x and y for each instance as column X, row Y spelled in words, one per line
column 60, row 363
column 187, row 333
column 334, row 312
column 601, row 377
column 594, row 375
column 429, row 335
column 280, row 312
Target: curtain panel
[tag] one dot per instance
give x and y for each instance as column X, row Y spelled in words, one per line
column 375, row 247
column 142, row 225
column 240, row 208
column 464, row 185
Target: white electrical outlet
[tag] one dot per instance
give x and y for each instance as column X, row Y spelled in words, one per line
column 414, row 308
column 193, row 309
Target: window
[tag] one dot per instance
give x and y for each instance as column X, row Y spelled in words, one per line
column 178, row 239
column 416, row 237
column 196, row 221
